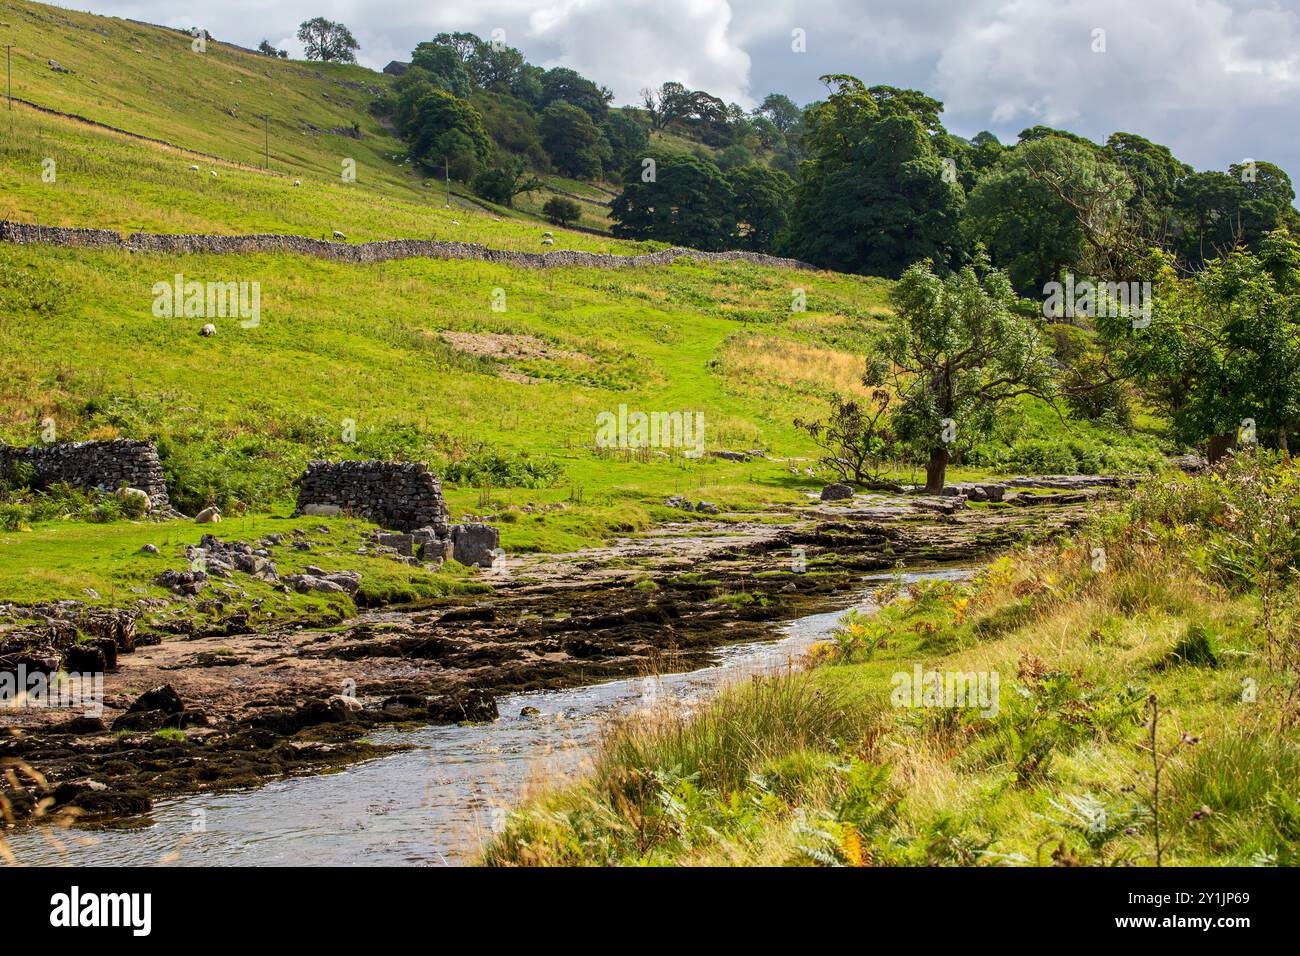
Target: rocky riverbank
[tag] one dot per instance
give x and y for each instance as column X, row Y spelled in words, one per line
column 202, row 710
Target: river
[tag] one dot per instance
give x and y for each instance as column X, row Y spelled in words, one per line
column 431, row 805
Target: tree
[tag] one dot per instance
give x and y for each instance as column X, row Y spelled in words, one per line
column 779, row 110
column 624, row 140
column 1028, row 229
column 854, row 436
column 326, row 40
column 1215, row 212
column 441, row 66
column 957, row 353
column 496, row 66
column 445, row 130
column 563, row 85
column 675, row 103
column 572, row 140
column 680, row 199
column 1223, row 347
column 561, row 211
column 465, row 45
column 266, row 49
column 1096, row 192
column 1155, row 174
column 762, row 205
column 873, row 197
column 502, row 183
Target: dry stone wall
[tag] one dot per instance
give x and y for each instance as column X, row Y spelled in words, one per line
column 382, row 251
column 404, row 496
column 95, row 464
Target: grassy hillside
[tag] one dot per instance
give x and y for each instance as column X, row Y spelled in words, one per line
column 1179, row 649
column 230, row 104
column 148, row 80
column 503, row 403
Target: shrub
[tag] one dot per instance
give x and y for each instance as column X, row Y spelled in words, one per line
column 561, row 211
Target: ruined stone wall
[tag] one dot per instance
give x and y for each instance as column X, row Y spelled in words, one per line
column 397, row 495
column 95, row 464
column 382, row 251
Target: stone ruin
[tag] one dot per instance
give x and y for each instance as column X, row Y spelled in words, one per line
column 104, row 465
column 404, row 497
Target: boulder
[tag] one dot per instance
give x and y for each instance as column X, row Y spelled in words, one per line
column 163, row 698
column 322, row 511
column 403, row 544
column 183, row 582
column 134, row 494
column 84, row 659
column 837, row 491
column 302, row 583
column 475, row 544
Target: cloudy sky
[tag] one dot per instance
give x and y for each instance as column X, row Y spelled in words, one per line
column 1218, row 81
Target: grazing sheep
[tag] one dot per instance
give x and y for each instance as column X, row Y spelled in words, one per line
column 195, row 168
column 547, row 235
column 208, row 331
column 339, row 235
column 548, row 242
column 297, row 182
column 212, row 173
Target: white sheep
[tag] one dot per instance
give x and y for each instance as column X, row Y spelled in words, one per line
column 339, row 235
column 195, row 168
column 208, row 331
column 297, row 182
column 548, row 242
column 212, row 173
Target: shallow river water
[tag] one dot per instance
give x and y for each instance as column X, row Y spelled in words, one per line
column 432, row 805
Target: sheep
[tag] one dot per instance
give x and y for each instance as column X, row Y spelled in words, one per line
column 339, row 235
column 548, row 242
column 212, row 173
column 297, row 182
column 194, row 168
column 547, row 235
column 208, row 331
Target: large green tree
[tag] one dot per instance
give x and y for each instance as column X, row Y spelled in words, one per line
column 1030, row 228
column 872, row 196
column 677, row 198
column 327, row 40
column 762, row 205
column 1222, row 347
column 957, row 352
column 446, row 132
column 571, row 139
